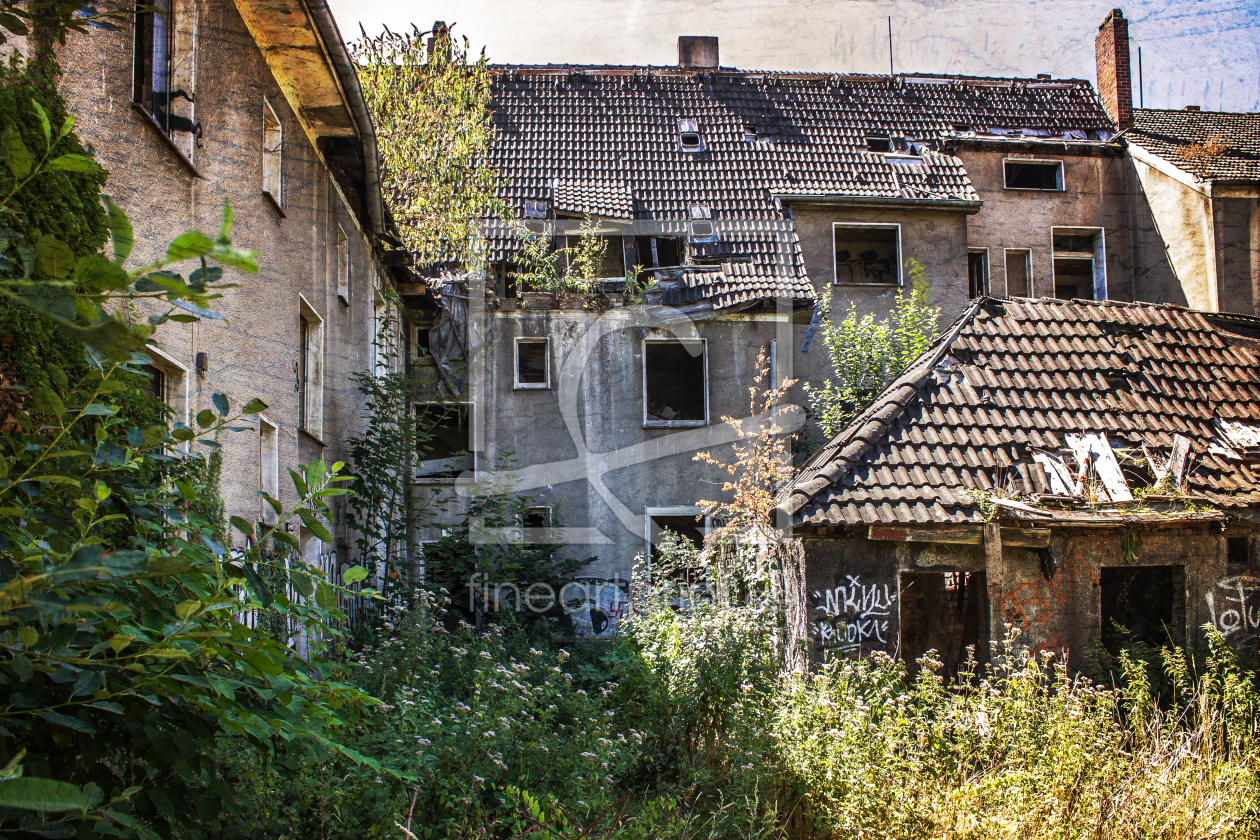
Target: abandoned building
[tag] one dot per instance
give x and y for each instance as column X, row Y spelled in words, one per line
column 206, row 102
column 1067, row 467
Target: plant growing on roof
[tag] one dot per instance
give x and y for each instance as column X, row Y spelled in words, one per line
column 561, row 271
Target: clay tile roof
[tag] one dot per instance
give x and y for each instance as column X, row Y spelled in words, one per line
column 1209, row 144
column 1194, row 374
column 569, row 135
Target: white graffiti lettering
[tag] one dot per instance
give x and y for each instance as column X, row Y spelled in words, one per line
column 853, row 615
column 1234, row 605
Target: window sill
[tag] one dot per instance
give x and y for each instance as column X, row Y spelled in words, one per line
column 275, row 205
column 675, row 424
column 148, row 120
column 523, row 387
column 1034, row 189
column 311, row 437
column 871, row 285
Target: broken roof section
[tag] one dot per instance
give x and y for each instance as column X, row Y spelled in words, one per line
column 1212, row 145
column 742, row 143
column 1015, row 383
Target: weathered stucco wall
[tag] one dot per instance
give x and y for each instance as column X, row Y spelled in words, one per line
column 1238, row 269
column 1183, row 222
column 255, row 353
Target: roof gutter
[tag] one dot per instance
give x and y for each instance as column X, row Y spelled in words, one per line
column 968, row 207
column 348, row 77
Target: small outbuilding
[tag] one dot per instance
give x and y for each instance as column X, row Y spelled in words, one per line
column 1082, row 470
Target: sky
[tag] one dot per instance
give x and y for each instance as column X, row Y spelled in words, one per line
column 1194, row 52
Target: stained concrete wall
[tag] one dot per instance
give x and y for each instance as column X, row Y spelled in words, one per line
column 1183, row 222
column 255, row 353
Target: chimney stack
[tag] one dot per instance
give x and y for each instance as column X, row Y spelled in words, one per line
column 1111, row 48
column 441, row 36
column 697, row 51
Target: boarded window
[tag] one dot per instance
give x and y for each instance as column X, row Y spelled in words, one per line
column 444, row 439
column 867, row 254
column 532, row 368
column 977, row 274
column 675, row 387
column 1018, row 273
column 944, row 612
column 268, row 468
column 1142, row 604
column 272, row 155
column 1033, row 175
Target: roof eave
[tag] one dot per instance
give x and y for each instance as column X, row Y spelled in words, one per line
column 968, row 207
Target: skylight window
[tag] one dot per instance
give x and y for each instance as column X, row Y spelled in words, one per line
column 879, row 144
column 689, row 139
column 702, row 227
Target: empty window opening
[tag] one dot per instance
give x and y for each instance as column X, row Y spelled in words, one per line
column 1073, row 278
column 536, row 516
column 658, row 251
column 1018, row 273
column 675, row 387
column 977, row 274
column 879, row 144
column 867, row 254
column 612, row 262
column 168, row 383
column 343, row 265
column 685, row 523
column 942, row 611
column 162, row 78
column 422, row 342
column 444, row 439
column 1079, row 267
column 272, row 155
column 532, row 369
column 1237, row 555
column 689, row 139
column 1142, row 604
column 1033, row 175
column 311, row 370
column 268, row 469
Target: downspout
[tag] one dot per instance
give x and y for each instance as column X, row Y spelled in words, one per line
column 348, row 77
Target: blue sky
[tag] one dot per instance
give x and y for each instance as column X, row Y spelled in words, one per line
column 1198, row 52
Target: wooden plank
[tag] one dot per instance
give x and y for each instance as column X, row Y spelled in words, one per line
column 1025, row 537
column 968, row 534
column 1094, row 450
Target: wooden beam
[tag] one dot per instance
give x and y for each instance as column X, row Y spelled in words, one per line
column 968, row 534
column 1025, row 537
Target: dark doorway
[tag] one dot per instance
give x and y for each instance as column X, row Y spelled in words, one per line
column 942, row 611
column 1144, row 604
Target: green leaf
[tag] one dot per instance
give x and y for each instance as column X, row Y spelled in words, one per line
column 41, row 795
column 325, row 596
column 299, row 483
column 255, row 583
column 303, row 584
column 314, row 525
column 66, row 127
column 97, row 274
column 54, row 257
column 254, row 406
column 220, row 404
column 241, row 525
column 354, row 574
column 67, row 721
column 16, row 155
column 44, row 124
column 120, row 232
column 51, row 300
column 22, row 667
column 186, row 608
column 205, row 417
column 190, row 244
column 225, row 226
column 73, row 163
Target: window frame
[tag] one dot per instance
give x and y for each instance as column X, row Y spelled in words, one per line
column 517, row 384
column 420, row 476
column 649, row 423
column 1099, row 255
column 1006, row 275
column 835, row 270
column 671, row 510
column 311, row 403
column 988, row 271
column 344, row 273
column 1060, row 178
column 177, row 127
column 268, row 468
column 273, row 174
column 170, row 366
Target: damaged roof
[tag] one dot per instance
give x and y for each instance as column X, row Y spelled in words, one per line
column 564, row 134
column 1011, row 377
column 1210, row 144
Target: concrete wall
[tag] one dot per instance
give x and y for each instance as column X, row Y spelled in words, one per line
column 1234, row 224
column 1183, row 222
column 255, row 353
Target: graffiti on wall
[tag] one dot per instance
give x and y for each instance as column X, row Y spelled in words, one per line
column 855, row 616
column 1030, row 605
column 1234, row 605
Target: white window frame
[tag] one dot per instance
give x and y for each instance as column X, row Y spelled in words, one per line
column 988, row 268
column 273, row 156
column 175, row 393
column 1099, row 253
column 673, row 424
column 312, row 381
column 343, row 265
column 518, row 385
column 268, row 468
column 675, row 510
column 835, row 271
column 1060, row 179
column 1006, row 277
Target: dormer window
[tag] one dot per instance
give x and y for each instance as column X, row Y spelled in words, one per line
column 535, row 209
column 689, row 139
column 882, row 145
column 702, row 227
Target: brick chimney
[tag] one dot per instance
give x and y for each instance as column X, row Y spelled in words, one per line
column 697, row 51
column 1111, row 48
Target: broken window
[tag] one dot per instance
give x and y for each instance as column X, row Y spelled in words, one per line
column 612, row 264
column 658, row 251
column 532, row 368
column 1033, row 175
column 1237, row 555
column 688, row 523
column 942, row 611
column 675, row 386
column 162, row 79
column 311, row 369
column 879, row 144
column 977, row 273
column 536, row 516
column 444, row 439
column 1078, row 264
column 272, row 155
column 689, row 139
column 343, row 266
column 1142, row 604
column 867, row 254
column 268, row 468
column 1018, row 272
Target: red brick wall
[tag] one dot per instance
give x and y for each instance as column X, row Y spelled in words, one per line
column 1115, row 88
